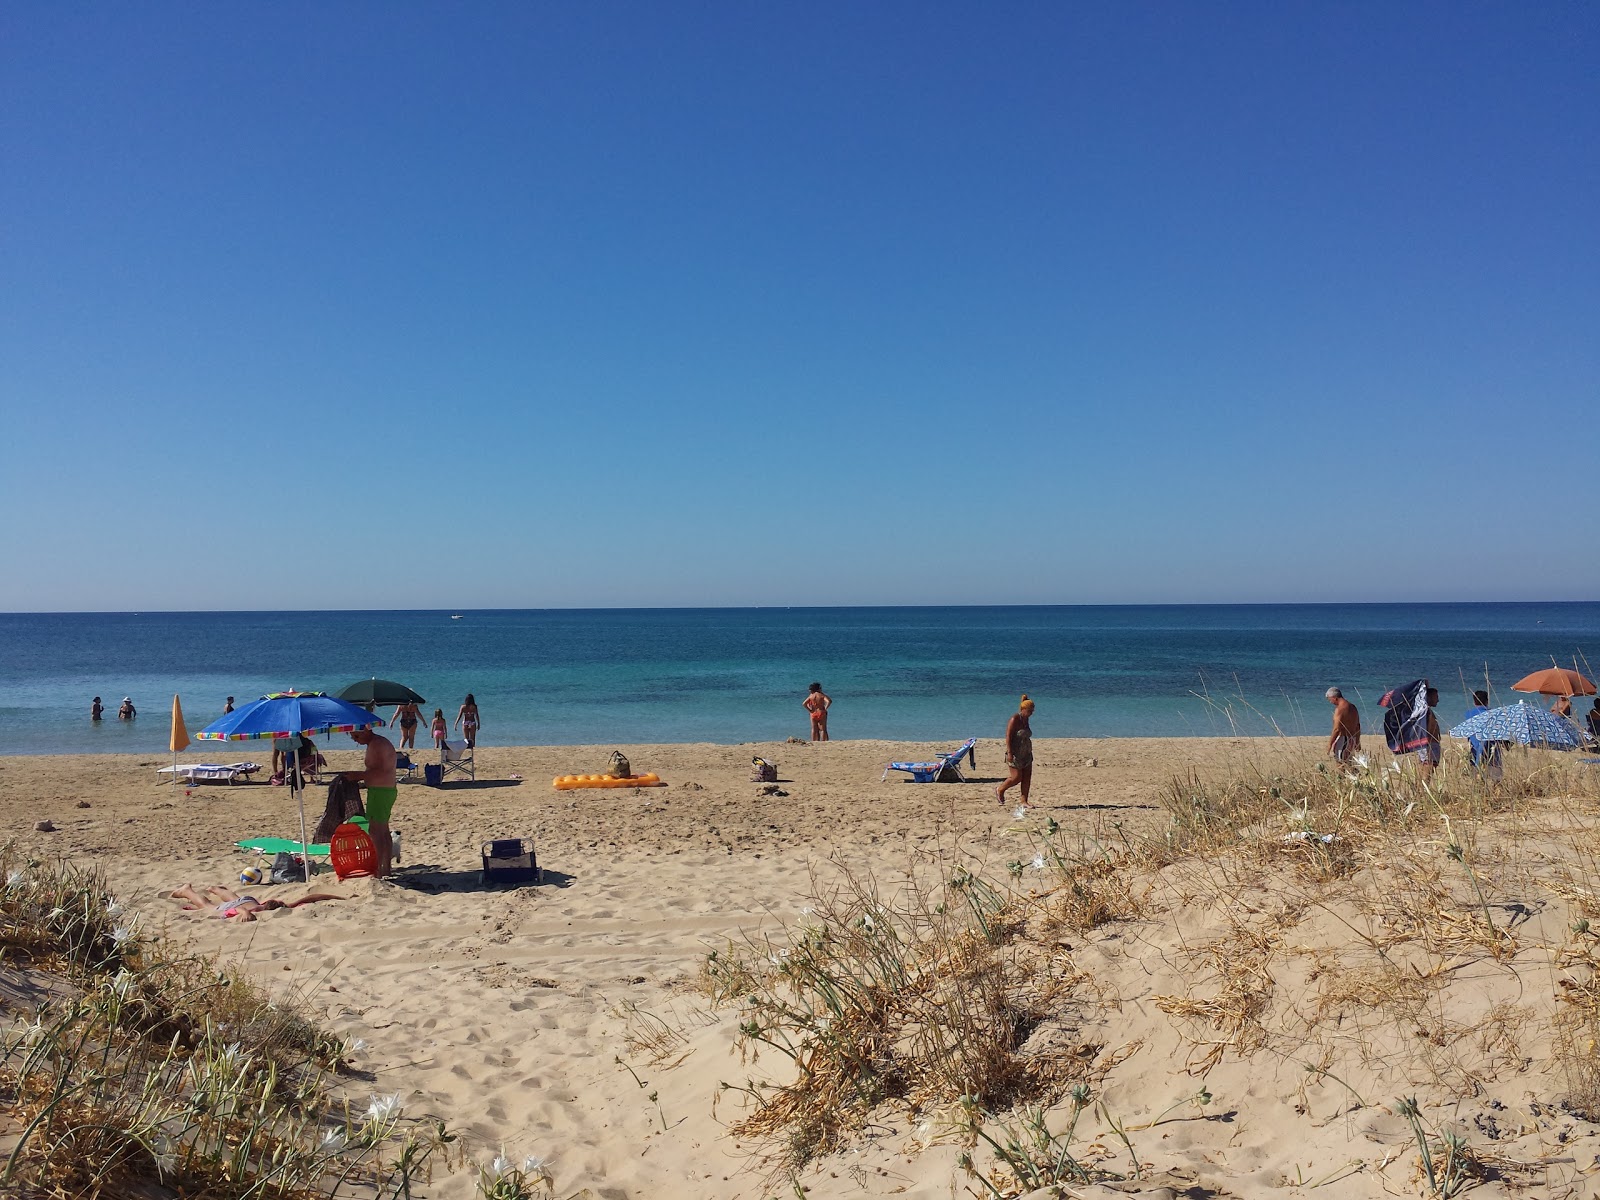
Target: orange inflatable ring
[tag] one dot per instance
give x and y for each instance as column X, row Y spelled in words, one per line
column 566, row 783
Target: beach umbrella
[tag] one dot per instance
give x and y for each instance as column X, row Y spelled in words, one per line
column 1521, row 722
column 179, row 738
column 1555, row 681
column 380, row 691
column 285, row 715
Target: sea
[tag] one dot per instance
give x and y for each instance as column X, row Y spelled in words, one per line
column 732, row 675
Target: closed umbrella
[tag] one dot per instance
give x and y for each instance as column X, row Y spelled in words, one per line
column 1521, row 722
column 285, row 715
column 179, row 738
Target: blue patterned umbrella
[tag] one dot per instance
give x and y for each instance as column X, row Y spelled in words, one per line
column 285, row 715
column 1521, row 722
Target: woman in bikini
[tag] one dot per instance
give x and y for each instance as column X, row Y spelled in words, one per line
column 817, row 703
column 467, row 721
column 1019, row 751
column 227, row 904
column 408, row 715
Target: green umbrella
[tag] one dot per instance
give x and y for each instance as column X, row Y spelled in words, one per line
column 380, row 691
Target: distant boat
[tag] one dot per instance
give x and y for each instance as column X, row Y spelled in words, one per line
column 455, row 616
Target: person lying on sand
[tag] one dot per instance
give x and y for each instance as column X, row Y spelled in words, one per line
column 227, row 903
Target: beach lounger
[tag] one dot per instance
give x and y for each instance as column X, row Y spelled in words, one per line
column 211, row 772
column 944, row 769
column 456, row 760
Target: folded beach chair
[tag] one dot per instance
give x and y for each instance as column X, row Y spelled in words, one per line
column 456, row 760
column 944, row 769
column 211, row 772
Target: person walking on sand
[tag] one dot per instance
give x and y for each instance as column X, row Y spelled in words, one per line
column 409, row 716
column 1345, row 739
column 1019, row 751
column 817, row 703
column 467, row 721
column 439, row 728
column 1430, row 755
column 97, row 710
column 378, row 775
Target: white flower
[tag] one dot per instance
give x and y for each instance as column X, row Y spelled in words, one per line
column 16, row 879
column 166, row 1160
column 333, row 1141
column 114, row 907
column 1360, row 760
column 356, row 1045
column 121, row 934
column 500, row 1166
column 1021, row 811
column 533, row 1165
column 1038, row 862
column 122, row 984
column 384, row 1107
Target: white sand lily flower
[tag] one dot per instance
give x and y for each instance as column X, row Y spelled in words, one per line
column 533, row 1165
column 122, row 984
column 16, row 879
column 356, row 1045
column 1020, row 812
column 166, row 1159
column 500, row 1166
column 334, row 1141
column 1038, row 862
column 122, row 934
column 384, row 1107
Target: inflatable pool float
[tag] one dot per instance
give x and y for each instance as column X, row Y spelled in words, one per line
column 565, row 783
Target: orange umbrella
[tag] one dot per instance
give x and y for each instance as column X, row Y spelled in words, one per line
column 1555, row 681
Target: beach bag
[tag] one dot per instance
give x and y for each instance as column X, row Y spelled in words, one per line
column 288, row 868
column 620, row 767
column 762, row 771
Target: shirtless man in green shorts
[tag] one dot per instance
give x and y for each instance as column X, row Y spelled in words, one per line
column 378, row 775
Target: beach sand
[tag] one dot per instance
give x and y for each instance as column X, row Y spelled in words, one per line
column 505, row 1012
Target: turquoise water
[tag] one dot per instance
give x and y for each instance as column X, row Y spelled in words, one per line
column 738, row 675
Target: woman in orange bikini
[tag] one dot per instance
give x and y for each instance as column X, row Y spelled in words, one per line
column 817, row 703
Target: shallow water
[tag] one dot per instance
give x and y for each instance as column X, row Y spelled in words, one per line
column 734, row 675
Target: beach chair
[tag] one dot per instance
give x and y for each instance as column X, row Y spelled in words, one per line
column 404, row 768
column 211, row 772
column 456, row 760
column 944, row 769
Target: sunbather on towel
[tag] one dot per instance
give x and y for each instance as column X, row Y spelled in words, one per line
column 227, row 903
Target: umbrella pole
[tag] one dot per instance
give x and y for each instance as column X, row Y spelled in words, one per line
column 300, row 797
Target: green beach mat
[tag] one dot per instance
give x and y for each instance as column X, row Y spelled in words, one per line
column 276, row 845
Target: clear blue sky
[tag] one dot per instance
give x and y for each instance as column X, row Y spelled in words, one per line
column 465, row 305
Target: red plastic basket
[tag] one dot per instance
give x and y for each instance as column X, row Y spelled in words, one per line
column 352, row 852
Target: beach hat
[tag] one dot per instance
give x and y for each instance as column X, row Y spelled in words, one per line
column 127, row 699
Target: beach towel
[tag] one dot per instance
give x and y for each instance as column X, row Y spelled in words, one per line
column 1405, row 721
column 344, row 802
column 280, row 845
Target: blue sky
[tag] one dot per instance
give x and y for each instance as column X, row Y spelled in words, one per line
column 506, row 305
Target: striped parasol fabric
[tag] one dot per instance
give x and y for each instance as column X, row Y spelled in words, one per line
column 1521, row 722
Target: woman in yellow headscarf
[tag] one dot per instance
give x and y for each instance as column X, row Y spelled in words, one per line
column 1019, row 751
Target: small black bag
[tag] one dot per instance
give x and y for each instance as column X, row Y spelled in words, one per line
column 288, row 868
column 620, row 767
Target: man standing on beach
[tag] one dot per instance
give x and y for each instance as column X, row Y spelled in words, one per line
column 1345, row 739
column 378, row 775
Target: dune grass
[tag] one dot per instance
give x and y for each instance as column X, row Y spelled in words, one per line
column 146, row 1067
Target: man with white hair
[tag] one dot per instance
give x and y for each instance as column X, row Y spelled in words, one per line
column 1345, row 739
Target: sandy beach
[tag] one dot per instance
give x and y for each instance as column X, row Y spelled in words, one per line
column 542, row 1020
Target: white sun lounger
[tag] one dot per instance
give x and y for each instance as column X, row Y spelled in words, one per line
column 211, row 772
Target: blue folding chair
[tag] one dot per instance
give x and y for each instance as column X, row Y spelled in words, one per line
column 944, row 769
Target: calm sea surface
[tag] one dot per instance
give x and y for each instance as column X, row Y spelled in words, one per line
column 738, row 675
